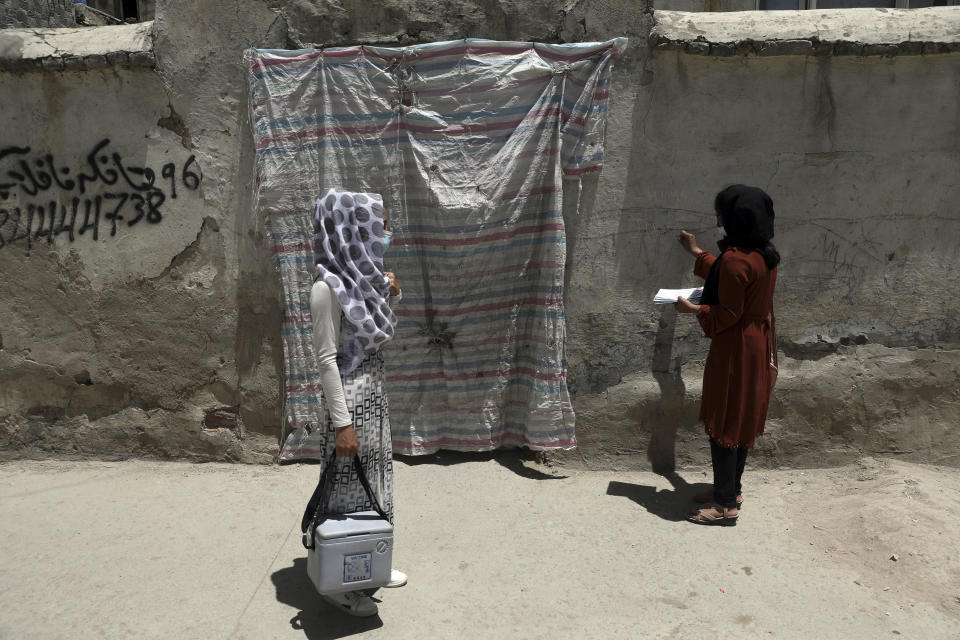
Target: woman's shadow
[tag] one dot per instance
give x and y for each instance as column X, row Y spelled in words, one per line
column 317, row 619
column 672, row 505
column 676, row 504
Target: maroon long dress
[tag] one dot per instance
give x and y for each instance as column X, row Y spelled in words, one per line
column 737, row 381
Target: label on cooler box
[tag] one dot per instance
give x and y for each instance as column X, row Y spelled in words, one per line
column 356, row 567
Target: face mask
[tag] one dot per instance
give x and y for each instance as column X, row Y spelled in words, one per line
column 723, row 232
column 387, row 235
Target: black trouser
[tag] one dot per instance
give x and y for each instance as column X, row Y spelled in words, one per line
column 727, row 471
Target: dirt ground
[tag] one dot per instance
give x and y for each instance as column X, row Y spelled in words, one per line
column 495, row 546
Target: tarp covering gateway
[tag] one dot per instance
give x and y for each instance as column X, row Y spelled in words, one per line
column 468, row 142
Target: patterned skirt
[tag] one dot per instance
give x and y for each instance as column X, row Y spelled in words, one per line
column 365, row 394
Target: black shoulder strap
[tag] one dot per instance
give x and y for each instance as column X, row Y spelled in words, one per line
column 366, row 487
column 316, row 500
column 316, row 510
column 773, row 338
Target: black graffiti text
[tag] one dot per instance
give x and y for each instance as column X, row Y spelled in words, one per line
column 41, row 201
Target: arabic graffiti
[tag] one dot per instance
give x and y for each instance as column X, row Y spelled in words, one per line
column 103, row 195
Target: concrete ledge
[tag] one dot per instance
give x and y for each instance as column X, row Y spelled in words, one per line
column 857, row 32
column 74, row 49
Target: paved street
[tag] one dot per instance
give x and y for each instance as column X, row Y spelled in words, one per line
column 496, row 547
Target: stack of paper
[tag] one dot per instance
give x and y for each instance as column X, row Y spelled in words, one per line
column 666, row 296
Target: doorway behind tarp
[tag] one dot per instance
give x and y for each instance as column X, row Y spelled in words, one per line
column 469, row 142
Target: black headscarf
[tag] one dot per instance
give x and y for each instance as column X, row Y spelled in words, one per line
column 747, row 214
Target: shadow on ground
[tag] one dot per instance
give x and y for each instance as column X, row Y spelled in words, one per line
column 513, row 459
column 318, row 620
column 669, row 504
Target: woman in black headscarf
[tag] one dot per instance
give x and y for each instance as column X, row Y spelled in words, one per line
column 736, row 313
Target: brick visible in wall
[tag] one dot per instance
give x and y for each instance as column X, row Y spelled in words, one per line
column 36, row 14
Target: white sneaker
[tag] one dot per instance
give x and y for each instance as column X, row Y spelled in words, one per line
column 397, row 579
column 353, row 603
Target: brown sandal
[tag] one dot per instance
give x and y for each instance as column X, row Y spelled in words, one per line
column 707, row 496
column 714, row 514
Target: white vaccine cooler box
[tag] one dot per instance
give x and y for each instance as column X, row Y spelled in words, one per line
column 346, row 551
column 351, row 552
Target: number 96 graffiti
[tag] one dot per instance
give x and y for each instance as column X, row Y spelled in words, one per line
column 41, row 200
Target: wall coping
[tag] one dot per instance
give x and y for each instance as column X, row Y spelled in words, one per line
column 884, row 32
column 77, row 48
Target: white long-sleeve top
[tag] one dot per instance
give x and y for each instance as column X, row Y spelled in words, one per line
column 326, row 312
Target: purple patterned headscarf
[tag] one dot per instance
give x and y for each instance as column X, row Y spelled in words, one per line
column 348, row 251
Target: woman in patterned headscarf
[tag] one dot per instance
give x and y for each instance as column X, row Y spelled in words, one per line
column 350, row 304
column 736, row 313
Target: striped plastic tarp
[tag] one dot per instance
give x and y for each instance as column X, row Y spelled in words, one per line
column 469, row 142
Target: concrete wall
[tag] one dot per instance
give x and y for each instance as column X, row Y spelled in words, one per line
column 36, row 13
column 130, row 344
column 860, row 154
column 118, row 339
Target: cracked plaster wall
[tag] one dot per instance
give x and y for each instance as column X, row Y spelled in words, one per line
column 132, row 345
column 113, row 346
column 36, row 13
column 861, row 155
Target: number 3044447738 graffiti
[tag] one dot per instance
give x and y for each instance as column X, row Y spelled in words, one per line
column 41, row 201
